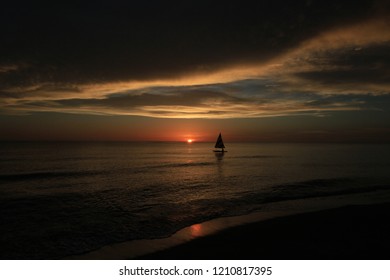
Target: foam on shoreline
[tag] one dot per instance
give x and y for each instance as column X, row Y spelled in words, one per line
column 139, row 248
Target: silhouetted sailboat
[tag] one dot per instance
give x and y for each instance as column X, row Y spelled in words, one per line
column 219, row 145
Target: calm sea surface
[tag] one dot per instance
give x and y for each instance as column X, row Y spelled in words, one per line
column 60, row 199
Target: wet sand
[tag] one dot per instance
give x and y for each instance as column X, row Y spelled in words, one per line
column 350, row 232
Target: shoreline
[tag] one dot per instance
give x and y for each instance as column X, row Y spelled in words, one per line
column 189, row 242
column 354, row 232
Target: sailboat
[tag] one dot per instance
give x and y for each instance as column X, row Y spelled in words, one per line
column 219, row 145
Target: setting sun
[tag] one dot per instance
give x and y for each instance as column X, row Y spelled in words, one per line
column 189, row 140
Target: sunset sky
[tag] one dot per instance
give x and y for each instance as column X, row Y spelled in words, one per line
column 172, row 70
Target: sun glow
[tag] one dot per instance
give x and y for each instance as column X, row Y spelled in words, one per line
column 189, row 141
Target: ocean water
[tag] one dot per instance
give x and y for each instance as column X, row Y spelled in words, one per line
column 62, row 199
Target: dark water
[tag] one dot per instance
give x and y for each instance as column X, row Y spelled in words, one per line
column 60, row 199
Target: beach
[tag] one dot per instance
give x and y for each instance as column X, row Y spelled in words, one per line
column 356, row 232
column 345, row 227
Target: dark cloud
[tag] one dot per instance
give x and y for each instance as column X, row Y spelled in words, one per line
column 100, row 41
column 309, row 57
column 351, row 66
column 359, row 101
column 190, row 98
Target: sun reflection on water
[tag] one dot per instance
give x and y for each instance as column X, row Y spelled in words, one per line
column 196, row 230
